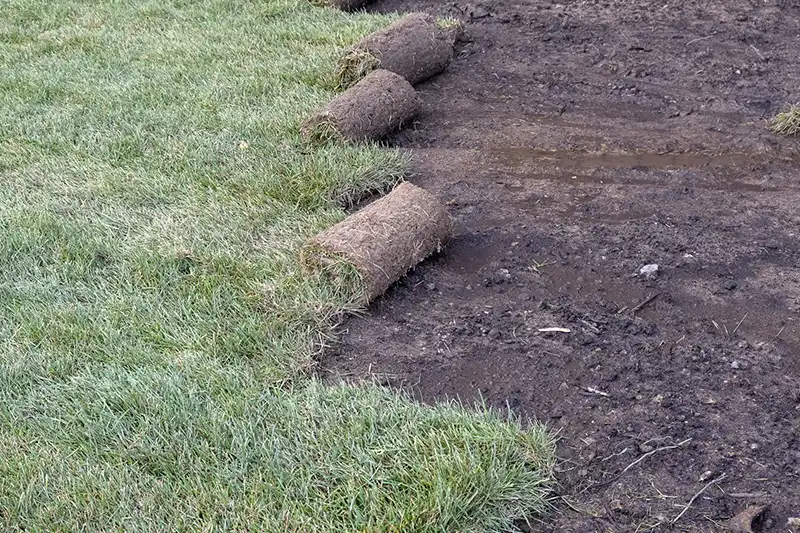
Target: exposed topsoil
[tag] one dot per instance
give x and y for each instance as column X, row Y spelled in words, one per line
column 576, row 143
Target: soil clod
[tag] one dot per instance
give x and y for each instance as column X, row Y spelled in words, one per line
column 747, row 521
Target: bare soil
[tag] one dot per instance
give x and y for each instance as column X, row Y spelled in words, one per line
column 574, row 143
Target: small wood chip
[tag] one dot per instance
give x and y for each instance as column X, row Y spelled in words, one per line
column 555, row 330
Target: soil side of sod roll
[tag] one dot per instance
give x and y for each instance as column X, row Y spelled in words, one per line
column 416, row 47
column 345, row 5
column 385, row 239
column 374, row 107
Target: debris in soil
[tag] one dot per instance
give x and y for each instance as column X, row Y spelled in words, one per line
column 385, row 239
column 374, row 107
column 649, row 272
column 415, row 47
column 697, row 495
column 788, row 122
column 748, row 520
column 793, row 522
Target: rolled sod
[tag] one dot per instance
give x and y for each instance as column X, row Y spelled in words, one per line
column 416, row 47
column 371, row 109
column 345, row 5
column 385, row 239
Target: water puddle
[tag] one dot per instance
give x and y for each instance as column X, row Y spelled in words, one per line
column 581, row 167
column 517, row 156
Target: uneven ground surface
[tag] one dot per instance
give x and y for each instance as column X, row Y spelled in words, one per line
column 575, row 143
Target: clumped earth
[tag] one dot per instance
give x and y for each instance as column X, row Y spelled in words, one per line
column 576, row 143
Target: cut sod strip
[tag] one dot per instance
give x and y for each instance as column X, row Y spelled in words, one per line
column 156, row 327
column 385, row 239
column 416, row 47
column 373, row 108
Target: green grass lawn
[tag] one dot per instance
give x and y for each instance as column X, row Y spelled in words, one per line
column 156, row 329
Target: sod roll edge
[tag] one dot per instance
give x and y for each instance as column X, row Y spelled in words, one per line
column 371, row 109
column 416, row 47
column 385, row 239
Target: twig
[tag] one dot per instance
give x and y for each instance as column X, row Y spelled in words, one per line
column 579, row 511
column 699, row 39
column 639, row 307
column 555, row 330
column 749, row 495
column 758, row 52
column 697, row 495
column 779, row 333
column 739, row 324
column 597, row 391
column 648, row 454
column 623, row 452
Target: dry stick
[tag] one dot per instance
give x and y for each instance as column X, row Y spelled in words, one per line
column 648, row 454
column 739, row 324
column 650, row 299
column 697, row 495
column 699, row 39
column 758, row 52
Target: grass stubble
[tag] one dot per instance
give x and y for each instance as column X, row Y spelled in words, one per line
column 787, row 122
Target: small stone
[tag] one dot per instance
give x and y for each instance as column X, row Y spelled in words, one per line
column 645, row 448
column 430, row 286
column 730, row 285
column 741, row 17
column 735, row 365
column 705, row 476
column 658, row 398
column 494, row 333
column 649, row 271
column 793, row 521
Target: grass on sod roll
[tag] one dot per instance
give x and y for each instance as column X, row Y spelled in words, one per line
column 788, row 122
column 155, row 324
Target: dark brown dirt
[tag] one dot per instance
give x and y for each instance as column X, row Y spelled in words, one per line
column 576, row 143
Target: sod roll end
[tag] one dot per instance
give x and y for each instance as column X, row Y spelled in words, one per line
column 385, row 239
column 376, row 106
column 416, row 47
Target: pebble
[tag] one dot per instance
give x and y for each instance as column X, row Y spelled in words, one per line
column 735, row 365
column 730, row 285
column 649, row 271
